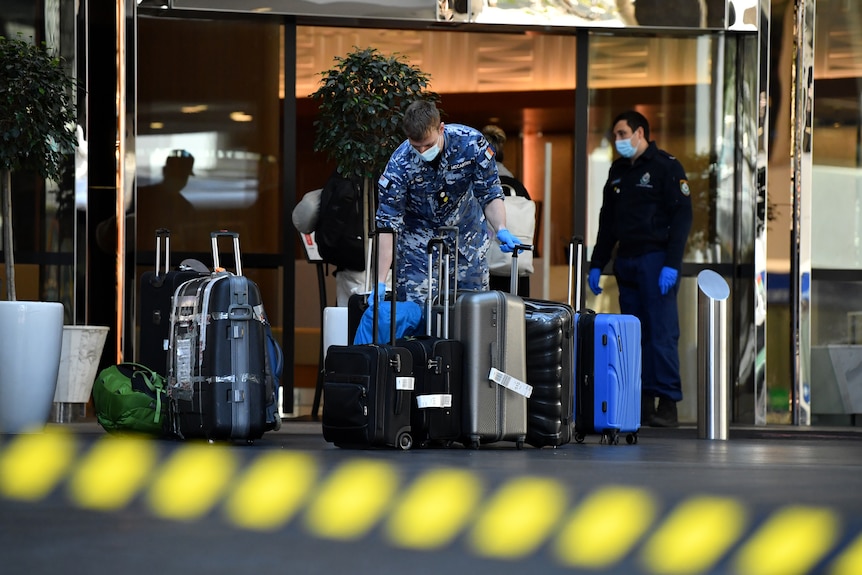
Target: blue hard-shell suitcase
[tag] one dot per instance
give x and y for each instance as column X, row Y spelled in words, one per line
column 608, row 376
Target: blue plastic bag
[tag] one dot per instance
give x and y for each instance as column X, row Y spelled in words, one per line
column 408, row 319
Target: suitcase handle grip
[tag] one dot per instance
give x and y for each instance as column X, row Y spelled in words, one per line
column 240, row 312
column 214, row 237
column 163, row 233
column 454, row 230
column 576, row 271
column 513, row 274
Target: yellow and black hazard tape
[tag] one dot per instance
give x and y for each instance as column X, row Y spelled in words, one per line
column 514, row 520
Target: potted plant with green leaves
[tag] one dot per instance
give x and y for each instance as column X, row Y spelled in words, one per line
column 37, row 132
column 362, row 99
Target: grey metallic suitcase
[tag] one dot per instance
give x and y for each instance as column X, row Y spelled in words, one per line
column 491, row 325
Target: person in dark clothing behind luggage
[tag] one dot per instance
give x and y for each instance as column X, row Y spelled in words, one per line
column 646, row 213
column 441, row 175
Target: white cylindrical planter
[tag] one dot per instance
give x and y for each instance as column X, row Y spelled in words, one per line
column 79, row 364
column 32, row 333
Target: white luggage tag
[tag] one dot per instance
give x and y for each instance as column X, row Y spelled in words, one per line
column 439, row 400
column 509, row 382
column 404, row 383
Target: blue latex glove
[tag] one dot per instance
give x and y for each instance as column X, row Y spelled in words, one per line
column 593, row 280
column 507, row 241
column 667, row 279
column 377, row 294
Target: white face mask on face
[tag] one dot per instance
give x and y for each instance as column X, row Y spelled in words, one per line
column 429, row 154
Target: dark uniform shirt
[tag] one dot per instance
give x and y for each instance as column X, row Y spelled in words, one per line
column 646, row 208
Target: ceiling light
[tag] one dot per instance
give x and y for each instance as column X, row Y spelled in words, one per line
column 240, row 117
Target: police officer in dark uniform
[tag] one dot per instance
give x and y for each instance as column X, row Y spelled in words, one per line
column 646, row 213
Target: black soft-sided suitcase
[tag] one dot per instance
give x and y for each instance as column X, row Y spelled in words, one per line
column 157, row 289
column 437, row 365
column 368, row 389
column 219, row 383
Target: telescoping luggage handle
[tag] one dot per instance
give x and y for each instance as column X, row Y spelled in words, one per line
column 376, row 262
column 442, row 285
column 513, row 281
column 576, row 271
column 214, row 237
column 163, row 233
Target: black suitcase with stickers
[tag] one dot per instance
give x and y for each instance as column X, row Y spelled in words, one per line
column 221, row 385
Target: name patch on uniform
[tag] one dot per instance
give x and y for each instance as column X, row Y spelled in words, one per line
column 383, row 181
column 461, row 165
column 683, row 187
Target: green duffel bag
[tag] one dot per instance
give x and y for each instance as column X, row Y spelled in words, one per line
column 130, row 397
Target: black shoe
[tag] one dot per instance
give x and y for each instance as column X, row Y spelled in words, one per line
column 665, row 415
column 647, row 410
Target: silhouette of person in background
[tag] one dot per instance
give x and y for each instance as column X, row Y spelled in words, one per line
column 154, row 206
column 161, row 205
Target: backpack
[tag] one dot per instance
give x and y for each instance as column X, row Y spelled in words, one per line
column 273, row 368
column 339, row 231
column 130, row 397
column 521, row 221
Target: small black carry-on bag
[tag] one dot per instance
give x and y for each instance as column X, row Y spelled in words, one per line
column 437, row 363
column 220, row 381
column 368, row 389
column 157, row 290
column 607, row 374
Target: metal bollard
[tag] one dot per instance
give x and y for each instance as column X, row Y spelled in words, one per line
column 712, row 415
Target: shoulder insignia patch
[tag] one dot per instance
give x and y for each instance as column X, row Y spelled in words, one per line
column 683, row 187
column 489, row 153
column 383, row 181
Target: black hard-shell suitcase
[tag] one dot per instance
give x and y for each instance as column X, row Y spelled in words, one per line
column 219, row 379
column 550, row 332
column 550, row 329
column 437, row 365
column 368, row 389
column 157, row 290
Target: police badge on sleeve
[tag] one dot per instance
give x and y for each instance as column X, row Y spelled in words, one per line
column 683, row 187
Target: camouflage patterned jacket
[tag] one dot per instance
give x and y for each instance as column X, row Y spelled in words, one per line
column 417, row 198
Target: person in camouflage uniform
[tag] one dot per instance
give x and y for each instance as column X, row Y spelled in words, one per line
column 441, row 176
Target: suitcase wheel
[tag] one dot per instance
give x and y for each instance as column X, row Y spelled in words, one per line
column 579, row 437
column 631, row 438
column 404, row 441
column 519, row 444
column 612, row 438
column 473, row 444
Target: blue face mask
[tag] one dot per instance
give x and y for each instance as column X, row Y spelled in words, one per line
column 429, row 154
column 625, row 148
